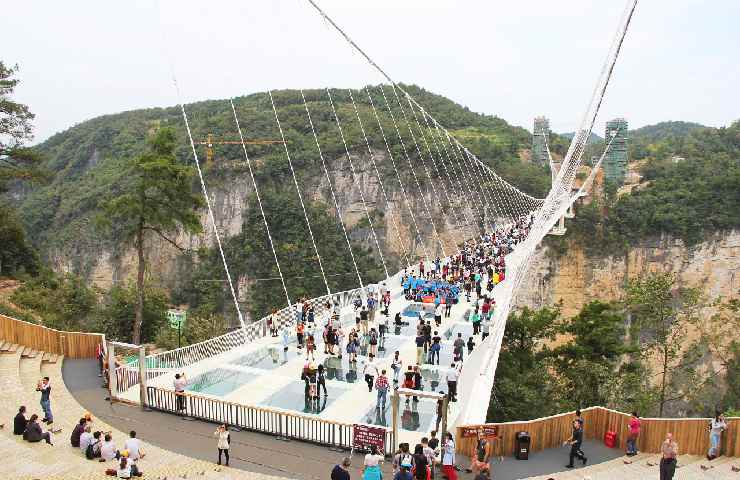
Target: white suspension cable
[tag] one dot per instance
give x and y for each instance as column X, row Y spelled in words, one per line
column 300, row 196
column 351, row 42
column 398, row 176
column 259, row 202
column 413, row 171
column 208, row 204
column 475, row 227
column 453, row 213
column 359, row 186
column 380, row 181
column 473, row 193
column 465, row 215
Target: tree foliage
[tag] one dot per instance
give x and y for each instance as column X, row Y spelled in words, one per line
column 16, row 161
column 156, row 198
column 587, row 361
column 688, row 199
column 64, row 302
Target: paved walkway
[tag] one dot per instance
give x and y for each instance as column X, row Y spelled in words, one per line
column 250, row 451
column 263, row 453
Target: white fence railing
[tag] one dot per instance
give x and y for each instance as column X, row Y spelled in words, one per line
column 127, row 376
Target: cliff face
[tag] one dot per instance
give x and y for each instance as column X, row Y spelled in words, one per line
column 230, row 201
column 713, row 266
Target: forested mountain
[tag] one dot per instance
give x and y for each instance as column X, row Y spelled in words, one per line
column 86, row 158
column 690, row 189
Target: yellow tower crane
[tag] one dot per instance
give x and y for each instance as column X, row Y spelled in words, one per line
column 210, row 141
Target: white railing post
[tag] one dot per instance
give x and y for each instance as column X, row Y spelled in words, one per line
column 112, row 384
column 142, row 377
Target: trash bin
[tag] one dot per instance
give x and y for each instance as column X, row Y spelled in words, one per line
column 522, row 445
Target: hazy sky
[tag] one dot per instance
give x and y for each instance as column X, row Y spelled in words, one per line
column 514, row 59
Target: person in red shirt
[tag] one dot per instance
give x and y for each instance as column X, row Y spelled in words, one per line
column 634, row 432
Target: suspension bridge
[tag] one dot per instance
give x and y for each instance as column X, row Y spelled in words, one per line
column 480, row 205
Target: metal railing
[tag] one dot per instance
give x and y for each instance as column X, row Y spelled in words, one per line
column 127, row 376
column 283, row 424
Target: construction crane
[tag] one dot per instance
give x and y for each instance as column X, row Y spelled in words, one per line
column 210, row 141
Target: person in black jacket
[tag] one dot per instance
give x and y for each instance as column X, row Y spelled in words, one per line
column 34, row 433
column 575, row 444
column 20, row 422
column 77, row 432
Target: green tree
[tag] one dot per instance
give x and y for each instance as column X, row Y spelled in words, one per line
column 16, row 161
column 590, row 357
column 156, row 198
column 16, row 253
column 64, row 301
column 117, row 314
column 662, row 312
column 524, row 387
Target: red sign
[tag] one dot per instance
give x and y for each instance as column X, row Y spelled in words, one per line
column 487, row 431
column 364, row 436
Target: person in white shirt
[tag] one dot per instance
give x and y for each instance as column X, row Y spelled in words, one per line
column 451, row 377
column 370, row 370
column 86, row 439
column 372, row 464
column 716, row 427
column 179, row 383
column 133, row 445
column 124, row 469
column 108, row 449
column 448, row 457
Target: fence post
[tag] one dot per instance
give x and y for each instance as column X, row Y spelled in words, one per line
column 112, row 379
column 142, row 378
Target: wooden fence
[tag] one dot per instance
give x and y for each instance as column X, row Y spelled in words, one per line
column 692, row 434
column 37, row 337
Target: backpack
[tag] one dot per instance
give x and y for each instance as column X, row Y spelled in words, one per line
column 90, row 450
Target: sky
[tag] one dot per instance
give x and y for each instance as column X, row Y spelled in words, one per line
column 81, row 59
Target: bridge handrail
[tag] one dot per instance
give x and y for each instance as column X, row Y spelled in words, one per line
column 163, row 362
column 308, row 428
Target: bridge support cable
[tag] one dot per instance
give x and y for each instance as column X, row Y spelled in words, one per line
column 208, row 204
column 477, row 187
column 462, row 214
column 331, row 189
column 461, row 184
column 483, row 181
column 398, row 176
column 434, row 195
column 380, row 180
column 453, row 212
column 411, row 166
column 468, row 216
column 259, row 203
column 474, row 192
column 298, row 190
column 554, row 206
column 496, row 186
column 355, row 177
column 328, row 20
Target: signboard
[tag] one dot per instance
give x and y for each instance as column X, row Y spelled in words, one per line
column 364, row 436
column 487, row 431
column 176, row 318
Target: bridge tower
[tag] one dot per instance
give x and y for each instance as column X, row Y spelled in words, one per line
column 540, row 133
column 615, row 162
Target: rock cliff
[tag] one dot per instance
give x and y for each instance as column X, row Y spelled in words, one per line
column 713, row 266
